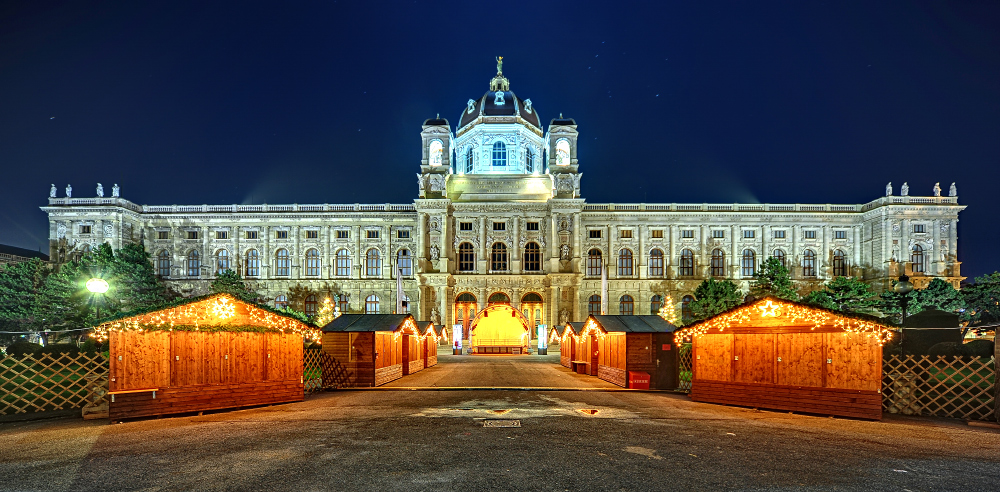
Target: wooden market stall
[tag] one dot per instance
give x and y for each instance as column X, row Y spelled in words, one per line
column 783, row 355
column 431, row 336
column 370, row 349
column 635, row 351
column 207, row 353
column 568, row 342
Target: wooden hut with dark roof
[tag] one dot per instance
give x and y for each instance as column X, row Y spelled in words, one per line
column 630, row 350
column 568, row 342
column 430, row 342
column 368, row 349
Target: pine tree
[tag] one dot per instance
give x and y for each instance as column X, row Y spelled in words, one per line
column 982, row 299
column 846, row 294
column 230, row 282
column 715, row 296
column 326, row 313
column 773, row 279
column 19, row 287
column 940, row 295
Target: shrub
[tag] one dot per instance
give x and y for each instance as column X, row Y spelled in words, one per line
column 22, row 348
column 57, row 349
column 978, row 348
column 949, row 349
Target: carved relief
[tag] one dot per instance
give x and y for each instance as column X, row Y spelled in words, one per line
column 564, row 183
column 109, row 230
column 61, row 231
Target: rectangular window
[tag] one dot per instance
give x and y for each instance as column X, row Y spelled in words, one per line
column 281, row 234
column 403, row 234
column 840, row 234
column 719, row 234
column 251, row 234
column 626, row 233
column 657, row 233
column 221, row 235
column 532, row 226
column 779, row 234
column 595, row 233
column 748, row 234
column 85, row 229
column 919, row 228
column 343, row 234
column 687, row 234
column 371, row 234
column 810, row 234
column 465, row 226
column 499, row 226
column 162, row 234
column 192, row 234
column 312, row 234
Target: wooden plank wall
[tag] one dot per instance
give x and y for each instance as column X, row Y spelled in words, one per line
column 353, row 354
column 566, row 352
column 432, row 352
column 389, row 358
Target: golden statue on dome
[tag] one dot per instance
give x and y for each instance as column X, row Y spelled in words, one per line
column 499, row 65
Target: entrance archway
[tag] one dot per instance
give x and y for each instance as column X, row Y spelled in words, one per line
column 499, row 329
column 533, row 309
column 465, row 310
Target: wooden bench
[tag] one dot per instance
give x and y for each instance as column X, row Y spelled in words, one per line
column 575, row 364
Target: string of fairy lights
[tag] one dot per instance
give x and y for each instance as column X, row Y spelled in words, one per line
column 790, row 312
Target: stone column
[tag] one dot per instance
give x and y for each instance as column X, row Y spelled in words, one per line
column 668, row 262
column 825, row 271
column 484, row 249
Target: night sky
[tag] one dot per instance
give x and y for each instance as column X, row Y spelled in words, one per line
column 321, row 102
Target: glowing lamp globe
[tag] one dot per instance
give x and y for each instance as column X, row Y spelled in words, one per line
column 97, row 285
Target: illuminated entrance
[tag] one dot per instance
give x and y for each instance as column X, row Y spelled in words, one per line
column 499, row 329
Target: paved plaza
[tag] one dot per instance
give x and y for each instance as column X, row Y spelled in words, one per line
column 401, row 439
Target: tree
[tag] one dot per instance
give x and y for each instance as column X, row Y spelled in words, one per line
column 773, row 280
column 940, row 295
column 135, row 282
column 230, row 282
column 325, row 314
column 715, row 296
column 982, row 299
column 19, row 287
column 846, row 294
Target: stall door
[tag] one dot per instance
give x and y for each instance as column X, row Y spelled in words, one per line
column 753, row 358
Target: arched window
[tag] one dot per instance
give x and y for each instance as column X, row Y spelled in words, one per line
column 594, row 305
column 594, row 263
column 687, row 315
column 312, row 263
column 405, row 262
column 343, row 263
column 780, row 256
column 310, row 305
column 436, row 151
column 163, row 264
column 466, row 258
column 529, row 160
column 499, row 154
column 562, row 152
column 221, row 261
column 839, row 264
column 193, row 263
column 808, row 263
column 344, row 302
column 281, row 301
column 468, row 160
column 917, row 258
column 656, row 263
column 718, row 263
column 625, row 263
column 253, row 263
column 282, row 263
column 626, row 305
column 498, row 257
column 655, row 304
column 748, row 263
column 373, row 263
column 687, row 263
column 498, row 298
column 371, row 304
column 532, row 257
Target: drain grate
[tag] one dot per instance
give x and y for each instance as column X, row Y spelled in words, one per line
column 501, row 423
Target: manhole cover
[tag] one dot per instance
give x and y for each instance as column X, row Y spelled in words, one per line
column 501, row 423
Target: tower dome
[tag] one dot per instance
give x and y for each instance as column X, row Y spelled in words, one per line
column 499, row 105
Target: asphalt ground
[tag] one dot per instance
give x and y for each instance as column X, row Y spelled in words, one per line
column 436, row 440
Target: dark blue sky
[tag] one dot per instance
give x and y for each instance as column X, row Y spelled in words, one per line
column 322, row 102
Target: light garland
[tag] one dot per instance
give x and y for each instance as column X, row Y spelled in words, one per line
column 793, row 313
column 668, row 312
column 216, row 313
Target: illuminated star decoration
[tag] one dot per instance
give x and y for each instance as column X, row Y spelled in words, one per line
column 223, row 309
column 768, row 309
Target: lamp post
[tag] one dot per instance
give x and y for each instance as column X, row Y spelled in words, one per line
column 903, row 287
column 97, row 286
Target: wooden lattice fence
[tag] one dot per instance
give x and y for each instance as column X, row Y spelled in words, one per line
column 940, row 386
column 50, row 382
column 685, row 368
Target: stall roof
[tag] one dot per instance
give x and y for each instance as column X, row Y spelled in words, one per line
column 423, row 325
column 367, row 322
column 634, row 324
column 576, row 326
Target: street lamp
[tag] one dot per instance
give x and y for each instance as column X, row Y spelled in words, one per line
column 903, row 287
column 97, row 285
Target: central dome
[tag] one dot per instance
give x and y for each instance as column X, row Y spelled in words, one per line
column 499, row 102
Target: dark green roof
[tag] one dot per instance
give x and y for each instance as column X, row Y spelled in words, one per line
column 422, row 327
column 367, row 322
column 650, row 323
column 576, row 326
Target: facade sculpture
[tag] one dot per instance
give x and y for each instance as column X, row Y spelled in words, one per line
column 100, row 190
column 500, row 217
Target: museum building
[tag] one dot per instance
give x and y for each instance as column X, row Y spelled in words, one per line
column 499, row 219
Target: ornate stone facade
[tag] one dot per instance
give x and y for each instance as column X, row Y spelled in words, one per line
column 523, row 228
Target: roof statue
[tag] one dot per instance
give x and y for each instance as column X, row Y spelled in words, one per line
column 69, row 191
column 905, row 189
column 100, row 190
column 888, row 189
column 116, row 191
column 953, row 191
column 52, row 191
column 499, row 65
column 937, row 189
